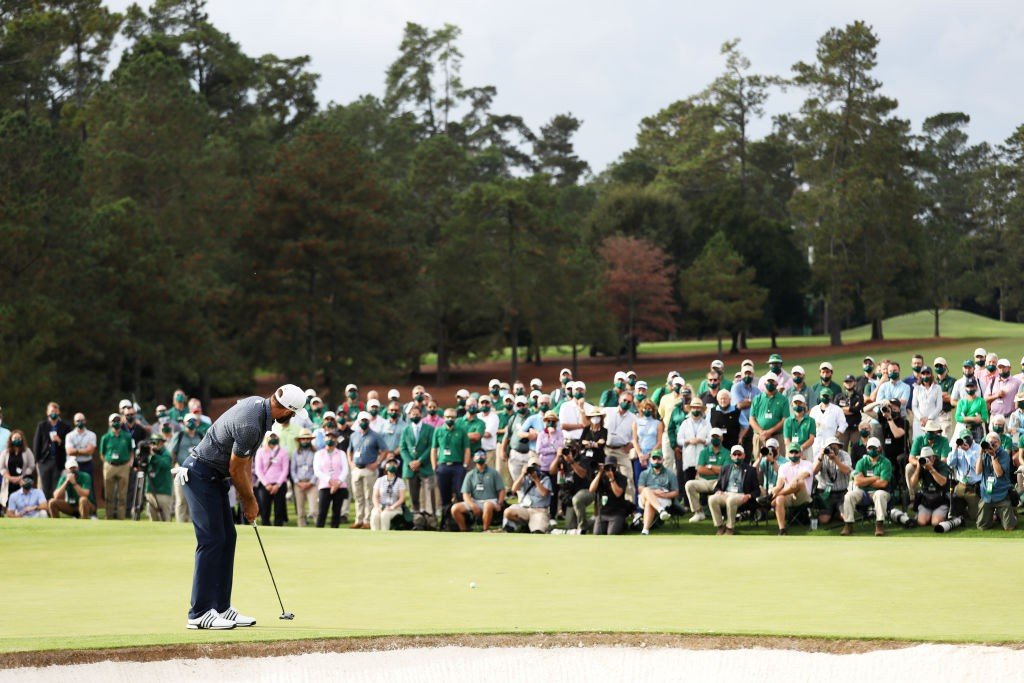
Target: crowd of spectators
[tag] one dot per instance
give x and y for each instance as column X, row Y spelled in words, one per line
column 928, row 449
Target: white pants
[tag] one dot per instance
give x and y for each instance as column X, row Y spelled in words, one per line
column 381, row 520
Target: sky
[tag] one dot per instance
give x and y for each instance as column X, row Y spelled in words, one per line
column 613, row 63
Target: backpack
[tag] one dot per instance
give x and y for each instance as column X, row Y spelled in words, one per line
column 448, row 522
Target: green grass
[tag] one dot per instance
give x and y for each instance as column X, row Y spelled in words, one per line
column 105, row 584
column 953, row 324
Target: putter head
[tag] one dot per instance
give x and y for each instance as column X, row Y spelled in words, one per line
column 287, row 615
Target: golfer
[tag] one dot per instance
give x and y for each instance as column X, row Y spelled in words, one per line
column 222, row 458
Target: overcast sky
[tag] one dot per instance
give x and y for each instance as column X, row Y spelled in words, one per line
column 612, row 63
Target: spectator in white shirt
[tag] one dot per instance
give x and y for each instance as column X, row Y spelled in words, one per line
column 388, row 496
column 692, row 436
column 489, row 441
column 828, row 419
column 927, row 400
column 572, row 411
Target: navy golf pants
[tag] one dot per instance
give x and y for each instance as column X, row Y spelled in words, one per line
column 207, row 494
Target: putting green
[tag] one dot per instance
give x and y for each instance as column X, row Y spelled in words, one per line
column 80, row 584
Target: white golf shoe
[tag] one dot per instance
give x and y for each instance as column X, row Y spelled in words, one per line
column 697, row 517
column 240, row 619
column 211, row 620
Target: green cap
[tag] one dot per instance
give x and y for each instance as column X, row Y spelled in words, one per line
column 775, row 358
column 794, row 447
column 825, row 392
column 968, row 363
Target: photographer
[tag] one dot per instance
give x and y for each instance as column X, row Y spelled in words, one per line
column 658, row 488
column 483, row 494
column 832, row 471
column 73, row 495
column 736, row 486
column 534, row 491
column 575, row 470
column 963, row 462
column 931, row 437
column 872, row 479
column 933, row 475
column 894, row 429
column 609, row 489
column 767, row 466
column 159, row 489
column 996, row 480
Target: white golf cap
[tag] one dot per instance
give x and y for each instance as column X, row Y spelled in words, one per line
column 630, row 373
column 927, row 452
column 641, row 385
column 999, row 417
column 798, row 397
column 124, row 403
column 798, row 369
column 363, row 415
column 70, row 462
column 717, row 431
column 330, row 414
column 825, row 366
column 535, row 394
column 393, row 393
column 717, row 363
column 521, row 400
column 350, row 387
column 833, row 441
column 462, row 393
column 1004, row 361
column 873, row 441
column 315, row 399
column 116, row 416
column 675, row 373
column 771, row 376
column 310, row 393
column 979, row 351
column 772, row 443
column 747, row 364
column 537, row 381
column 565, row 371
column 581, row 385
column 737, row 449
column 373, row 403
column 678, row 381
column 494, row 383
column 542, row 397
column 940, row 361
column 620, row 375
column 932, row 426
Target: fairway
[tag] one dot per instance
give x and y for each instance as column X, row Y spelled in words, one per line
column 106, row 584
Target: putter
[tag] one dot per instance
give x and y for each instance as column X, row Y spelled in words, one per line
column 284, row 615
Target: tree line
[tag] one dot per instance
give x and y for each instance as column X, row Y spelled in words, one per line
column 193, row 213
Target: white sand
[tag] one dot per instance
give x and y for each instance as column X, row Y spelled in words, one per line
column 927, row 663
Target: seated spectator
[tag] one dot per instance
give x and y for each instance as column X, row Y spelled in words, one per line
column 388, row 497
column 963, row 461
column 767, row 466
column 73, row 495
column 159, row 487
column 27, row 501
column 832, row 472
column 330, row 465
column 534, row 491
column 872, row 477
column 16, row 461
column 483, row 495
column 996, row 479
column 932, row 473
column 658, row 489
column 576, row 469
column 793, row 486
column 271, row 467
column 712, row 458
column 608, row 488
column 736, row 487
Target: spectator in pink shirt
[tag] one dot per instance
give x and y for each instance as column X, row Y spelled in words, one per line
column 330, row 465
column 271, row 468
column 434, row 416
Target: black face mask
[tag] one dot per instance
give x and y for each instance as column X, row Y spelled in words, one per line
column 283, row 420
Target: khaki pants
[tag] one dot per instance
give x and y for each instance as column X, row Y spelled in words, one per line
column 503, row 470
column 159, row 506
column 1003, row 511
column 537, row 517
column 697, row 486
column 946, row 421
column 363, row 480
column 115, row 483
column 181, row 513
column 381, row 520
column 84, row 508
column 731, row 501
column 491, row 459
column 305, row 502
column 970, row 498
column 516, row 464
column 625, row 466
column 854, row 497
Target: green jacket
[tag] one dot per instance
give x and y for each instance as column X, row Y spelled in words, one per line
column 416, row 449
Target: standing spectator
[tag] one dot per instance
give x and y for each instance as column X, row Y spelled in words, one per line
column 793, row 485
column 139, row 434
column 799, row 385
column 724, row 415
column 573, row 409
column 416, row 465
column 271, row 467
column 179, row 408
column 364, row 457
column 434, row 416
column 828, row 419
column 825, row 382
column 388, row 495
column 5, row 433
column 735, row 487
column 710, row 385
column 331, row 468
column 489, row 441
column 73, row 495
column 668, row 401
column 782, row 378
column 27, row 501
column 563, row 392
column 996, row 480
column 391, row 431
column 800, row 429
column 462, row 395
column 534, row 490
column 181, row 445
column 768, row 412
column 305, row 486
column 483, row 495
column 49, row 448
column 550, row 442
column 516, row 444
column 664, row 389
column 419, row 400
column 619, row 422
column 927, row 400
column 595, row 435
column 647, row 433
column 959, row 386
column 81, row 444
column 658, row 488
column 972, row 410
column 1000, row 389
column 159, row 490
column 946, row 384
column 610, row 397
column 472, row 425
column 866, row 381
column 892, row 389
column 692, row 436
column 743, row 394
column 871, row 483
column 351, row 406
column 608, row 487
column 116, row 447
column 316, row 410
column 449, row 457
column 16, row 462
column 851, row 402
column 195, row 407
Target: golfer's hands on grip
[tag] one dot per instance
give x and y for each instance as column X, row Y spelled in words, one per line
column 250, row 509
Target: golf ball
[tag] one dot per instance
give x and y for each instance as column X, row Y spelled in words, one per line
column 472, row 584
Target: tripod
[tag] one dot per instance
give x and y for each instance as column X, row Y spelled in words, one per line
column 138, row 495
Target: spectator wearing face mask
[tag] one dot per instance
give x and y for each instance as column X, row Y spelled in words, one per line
column 416, row 464
column 610, row 397
column 351, row 406
column 180, row 446
column 116, row 447
column 364, row 457
column 647, row 434
column 472, row 425
column 995, row 469
column 1000, row 389
column 735, row 487
column 892, row 389
column 832, row 471
column 619, row 422
column 391, row 432
column 516, row 444
column 81, row 444
column 659, row 487
column 800, row 429
column 710, row 387
column 49, row 448
column 743, row 394
column 73, row 495
column 16, row 462
column 179, row 406
column 305, row 486
column 159, row 489
column 331, row 468
column 829, row 421
column 927, row 400
column 489, row 440
column 782, row 379
column 668, row 400
column 388, row 496
column 419, row 399
column 851, row 403
column 271, row 467
column 958, row 387
column 793, row 485
column 27, row 502
column 798, row 384
column 963, row 461
column 825, row 382
column 550, row 443
column 872, row 483
column 724, row 416
column 434, row 416
column 692, row 437
column 608, row 488
column 573, row 409
column 594, row 437
column 972, row 410
column 534, row 491
column 483, row 495
column 768, row 413
column 945, row 383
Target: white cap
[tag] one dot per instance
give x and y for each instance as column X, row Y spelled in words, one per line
column 677, row 380
column 797, row 397
column 462, row 393
column 940, row 361
column 315, row 399
column 1004, row 361
column 541, row 396
column 772, row 443
column 825, row 366
column 565, row 371
column 771, row 376
column 737, row 449
column 537, row 381
column 124, row 403
column 363, row 415
column 932, row 426
column 310, row 393
column 747, row 364
column 116, row 416
column 70, row 462
column 798, row 368
column 833, row 441
column 631, row 372
column 717, row 431
column 535, row 394
column 393, row 393
column 330, row 414
column 581, row 385
column 494, row 383
column 620, row 375
column 927, row 452
column 717, row 363
column 873, row 441
column 675, row 373
column 350, row 387
column 373, row 403
column 979, row 351
column 521, row 400
column 641, row 384
column 999, row 417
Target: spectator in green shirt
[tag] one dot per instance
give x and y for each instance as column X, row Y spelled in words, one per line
column 768, row 412
column 116, row 449
column 971, row 410
column 159, row 489
column 73, row 495
column 483, row 495
column 799, row 428
column 872, row 477
column 449, row 456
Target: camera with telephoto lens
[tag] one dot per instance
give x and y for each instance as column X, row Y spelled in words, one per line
column 902, row 518
column 609, row 467
column 949, row 525
column 572, row 449
column 142, row 456
column 764, row 451
column 531, row 470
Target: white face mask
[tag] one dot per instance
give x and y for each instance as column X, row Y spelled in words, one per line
column 596, row 420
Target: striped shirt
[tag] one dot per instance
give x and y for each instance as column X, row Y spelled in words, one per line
column 239, row 431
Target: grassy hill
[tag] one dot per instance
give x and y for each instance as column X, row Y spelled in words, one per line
column 952, row 325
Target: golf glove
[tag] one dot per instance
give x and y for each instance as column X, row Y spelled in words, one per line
column 180, row 475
